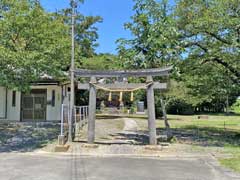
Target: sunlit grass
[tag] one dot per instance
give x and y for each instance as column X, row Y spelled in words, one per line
column 216, row 131
column 234, row 161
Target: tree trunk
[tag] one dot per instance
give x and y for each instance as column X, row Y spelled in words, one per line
column 167, row 125
column 227, row 105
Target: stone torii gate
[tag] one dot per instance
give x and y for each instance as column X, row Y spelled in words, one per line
column 150, row 85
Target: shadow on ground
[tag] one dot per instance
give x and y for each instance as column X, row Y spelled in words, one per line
column 205, row 136
column 26, row 137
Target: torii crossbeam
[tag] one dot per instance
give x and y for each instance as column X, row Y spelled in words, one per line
column 124, row 73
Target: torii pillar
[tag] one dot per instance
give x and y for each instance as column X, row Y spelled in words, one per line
column 151, row 112
column 92, row 111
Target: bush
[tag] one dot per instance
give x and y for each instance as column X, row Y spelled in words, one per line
column 236, row 106
column 179, row 106
column 158, row 110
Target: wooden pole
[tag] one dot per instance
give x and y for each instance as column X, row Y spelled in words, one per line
column 151, row 112
column 92, row 111
column 72, row 98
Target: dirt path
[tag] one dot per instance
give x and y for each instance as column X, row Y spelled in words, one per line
column 130, row 125
column 112, row 131
column 105, row 129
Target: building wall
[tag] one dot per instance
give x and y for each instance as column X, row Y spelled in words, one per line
column 2, row 103
column 53, row 112
column 66, row 94
column 13, row 112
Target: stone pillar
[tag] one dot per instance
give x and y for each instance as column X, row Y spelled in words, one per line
column 121, row 107
column 92, row 111
column 151, row 112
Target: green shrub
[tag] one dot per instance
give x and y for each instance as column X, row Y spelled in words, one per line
column 179, row 106
column 158, row 111
column 133, row 109
column 173, row 106
column 236, row 106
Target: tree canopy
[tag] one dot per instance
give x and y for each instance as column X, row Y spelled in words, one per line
column 34, row 43
column 210, row 39
column 103, row 61
column 210, row 32
column 154, row 36
column 201, row 38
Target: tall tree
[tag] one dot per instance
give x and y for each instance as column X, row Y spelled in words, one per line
column 210, row 40
column 210, row 33
column 85, row 30
column 154, row 43
column 34, row 43
column 154, row 39
column 103, row 61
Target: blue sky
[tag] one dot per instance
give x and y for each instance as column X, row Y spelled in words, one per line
column 114, row 13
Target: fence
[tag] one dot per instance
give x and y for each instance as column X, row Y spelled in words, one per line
column 80, row 115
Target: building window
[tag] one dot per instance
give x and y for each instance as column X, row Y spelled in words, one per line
column 13, row 98
column 53, row 97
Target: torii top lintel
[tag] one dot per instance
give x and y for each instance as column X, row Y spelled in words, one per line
column 123, row 73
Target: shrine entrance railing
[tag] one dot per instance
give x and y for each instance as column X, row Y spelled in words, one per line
column 80, row 116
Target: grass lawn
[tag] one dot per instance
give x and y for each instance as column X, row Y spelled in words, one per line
column 227, row 129
column 216, row 133
column 234, row 162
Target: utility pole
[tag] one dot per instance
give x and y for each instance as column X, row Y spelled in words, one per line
column 72, row 99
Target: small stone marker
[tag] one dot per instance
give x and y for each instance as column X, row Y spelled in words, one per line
column 203, row 117
column 61, row 148
column 61, row 140
column 140, row 107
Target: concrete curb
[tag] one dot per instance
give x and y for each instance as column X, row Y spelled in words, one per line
column 180, row 156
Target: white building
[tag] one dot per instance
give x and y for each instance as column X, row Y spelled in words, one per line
column 43, row 103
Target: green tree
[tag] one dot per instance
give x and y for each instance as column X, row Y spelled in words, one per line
column 34, row 43
column 210, row 33
column 103, row 61
column 85, row 31
column 154, row 40
column 201, row 37
column 154, row 36
column 210, row 40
